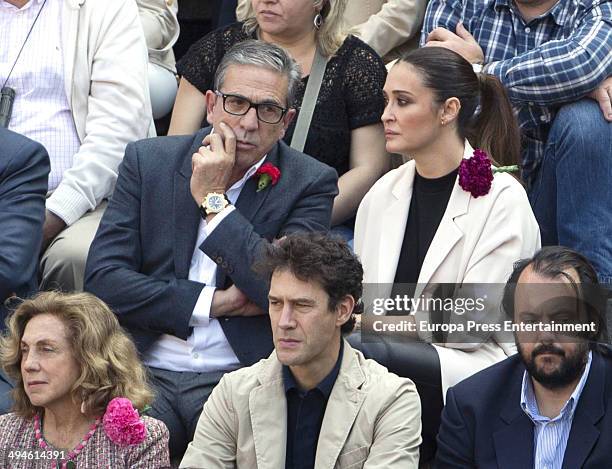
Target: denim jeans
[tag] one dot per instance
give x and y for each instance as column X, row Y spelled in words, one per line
column 571, row 195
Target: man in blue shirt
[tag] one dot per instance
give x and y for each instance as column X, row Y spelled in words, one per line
column 315, row 402
column 554, row 58
column 549, row 406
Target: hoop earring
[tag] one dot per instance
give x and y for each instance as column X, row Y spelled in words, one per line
column 318, row 21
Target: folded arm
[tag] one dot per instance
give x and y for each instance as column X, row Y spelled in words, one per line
column 118, row 112
column 395, row 23
column 114, row 264
column 555, row 72
column 563, row 70
column 236, row 241
column 23, row 185
column 159, row 23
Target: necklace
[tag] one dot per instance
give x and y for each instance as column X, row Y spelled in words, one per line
column 68, row 462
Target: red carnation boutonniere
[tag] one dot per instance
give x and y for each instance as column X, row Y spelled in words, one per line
column 476, row 173
column 268, row 173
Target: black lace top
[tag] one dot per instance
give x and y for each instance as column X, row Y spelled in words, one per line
column 350, row 94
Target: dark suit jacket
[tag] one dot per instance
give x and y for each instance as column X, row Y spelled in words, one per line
column 139, row 260
column 24, row 173
column 483, row 425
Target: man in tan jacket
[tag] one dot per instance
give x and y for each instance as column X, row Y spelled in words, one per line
column 315, row 402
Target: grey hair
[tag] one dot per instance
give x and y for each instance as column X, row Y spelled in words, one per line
column 265, row 55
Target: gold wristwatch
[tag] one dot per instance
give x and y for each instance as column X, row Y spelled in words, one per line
column 214, row 202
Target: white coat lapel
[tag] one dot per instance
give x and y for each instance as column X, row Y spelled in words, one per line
column 393, row 225
column 342, row 408
column 268, row 410
column 448, row 233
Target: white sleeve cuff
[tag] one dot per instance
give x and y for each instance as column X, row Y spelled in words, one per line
column 68, row 204
column 201, row 310
column 218, row 218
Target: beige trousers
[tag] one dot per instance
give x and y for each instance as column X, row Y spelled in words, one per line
column 63, row 264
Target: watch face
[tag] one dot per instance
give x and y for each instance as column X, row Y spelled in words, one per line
column 215, row 203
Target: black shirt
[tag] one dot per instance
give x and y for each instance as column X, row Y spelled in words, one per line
column 305, row 412
column 350, row 96
column 427, row 206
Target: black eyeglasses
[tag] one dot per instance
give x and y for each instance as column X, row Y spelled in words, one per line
column 239, row 105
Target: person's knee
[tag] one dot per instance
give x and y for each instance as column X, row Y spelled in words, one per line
column 580, row 121
column 63, row 265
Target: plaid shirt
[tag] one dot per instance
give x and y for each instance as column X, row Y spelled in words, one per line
column 556, row 58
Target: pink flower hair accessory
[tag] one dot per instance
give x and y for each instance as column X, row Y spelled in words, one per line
column 122, row 423
column 476, row 173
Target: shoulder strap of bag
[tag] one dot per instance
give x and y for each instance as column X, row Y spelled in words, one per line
column 309, row 101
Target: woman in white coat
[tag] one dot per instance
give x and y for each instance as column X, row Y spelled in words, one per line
column 435, row 219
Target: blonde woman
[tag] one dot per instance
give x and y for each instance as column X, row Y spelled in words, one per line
column 78, row 387
column 345, row 131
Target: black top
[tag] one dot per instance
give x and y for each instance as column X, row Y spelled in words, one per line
column 305, row 412
column 427, row 206
column 350, row 95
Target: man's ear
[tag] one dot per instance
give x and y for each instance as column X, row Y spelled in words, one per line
column 287, row 119
column 344, row 309
column 211, row 99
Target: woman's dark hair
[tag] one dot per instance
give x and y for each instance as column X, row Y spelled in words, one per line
column 486, row 117
column 555, row 262
column 319, row 258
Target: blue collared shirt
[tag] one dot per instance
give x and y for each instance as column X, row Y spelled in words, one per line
column 305, row 412
column 550, row 435
column 553, row 59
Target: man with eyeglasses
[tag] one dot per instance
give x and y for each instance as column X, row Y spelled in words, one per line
column 189, row 217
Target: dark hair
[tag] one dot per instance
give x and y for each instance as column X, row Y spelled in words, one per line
column 261, row 54
column 486, row 117
column 323, row 259
column 558, row 261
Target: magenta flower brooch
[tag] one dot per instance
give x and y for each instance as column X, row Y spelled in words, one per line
column 476, row 173
column 122, row 423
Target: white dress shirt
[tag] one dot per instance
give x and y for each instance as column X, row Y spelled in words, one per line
column 41, row 110
column 207, row 348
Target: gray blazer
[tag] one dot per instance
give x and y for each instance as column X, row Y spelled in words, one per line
column 139, row 260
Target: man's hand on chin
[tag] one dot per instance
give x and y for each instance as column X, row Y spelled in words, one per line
column 53, row 226
column 213, row 163
column 463, row 43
